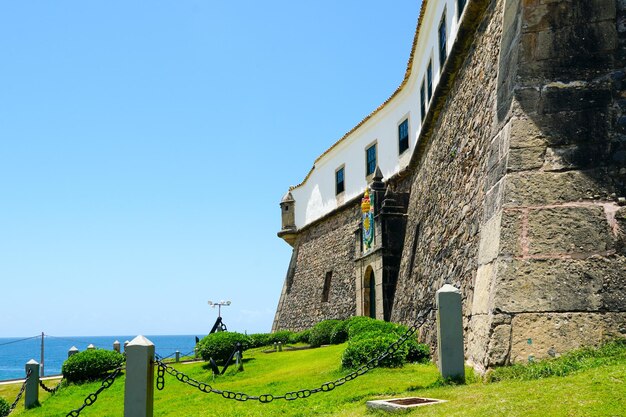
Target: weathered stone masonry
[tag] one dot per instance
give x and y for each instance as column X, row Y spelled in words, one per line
column 515, row 191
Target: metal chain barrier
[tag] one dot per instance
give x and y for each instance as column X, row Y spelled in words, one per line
column 48, row 389
column 20, row 393
column 291, row 395
column 91, row 398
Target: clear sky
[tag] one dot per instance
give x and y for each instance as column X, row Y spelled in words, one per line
column 145, row 146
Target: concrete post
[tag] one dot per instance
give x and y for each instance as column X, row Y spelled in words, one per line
column 31, row 393
column 450, row 333
column 139, row 388
column 280, row 346
column 126, row 344
column 116, row 346
column 177, row 356
column 238, row 361
column 91, row 347
column 73, row 351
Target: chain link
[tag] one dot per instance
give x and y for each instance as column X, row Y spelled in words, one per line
column 91, row 398
column 163, row 368
column 50, row 390
column 21, row 392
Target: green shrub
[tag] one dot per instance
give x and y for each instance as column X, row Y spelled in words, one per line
column 418, row 352
column 359, row 325
column 4, row 407
column 300, row 337
column 339, row 334
column 220, row 345
column 371, row 345
column 283, row 336
column 320, row 333
column 257, row 340
column 92, row 364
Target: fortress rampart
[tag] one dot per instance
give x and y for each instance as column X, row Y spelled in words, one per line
column 514, row 193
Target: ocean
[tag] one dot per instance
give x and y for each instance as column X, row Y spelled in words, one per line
column 15, row 352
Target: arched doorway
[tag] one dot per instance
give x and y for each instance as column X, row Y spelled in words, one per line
column 369, row 293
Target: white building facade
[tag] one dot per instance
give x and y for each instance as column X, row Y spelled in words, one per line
column 388, row 136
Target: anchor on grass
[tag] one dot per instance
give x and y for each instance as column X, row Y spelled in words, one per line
column 237, row 355
column 219, row 326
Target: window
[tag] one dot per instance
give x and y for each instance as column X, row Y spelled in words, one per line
column 442, row 41
column 339, row 181
column 326, row 290
column 460, row 4
column 370, row 160
column 429, row 78
column 403, row 136
column 423, row 102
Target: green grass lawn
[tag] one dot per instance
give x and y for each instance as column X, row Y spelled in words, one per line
column 591, row 391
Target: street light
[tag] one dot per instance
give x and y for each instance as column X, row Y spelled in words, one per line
column 219, row 305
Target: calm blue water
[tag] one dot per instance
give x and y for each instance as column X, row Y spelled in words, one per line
column 15, row 352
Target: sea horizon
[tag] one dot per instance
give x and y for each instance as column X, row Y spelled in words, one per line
column 16, row 351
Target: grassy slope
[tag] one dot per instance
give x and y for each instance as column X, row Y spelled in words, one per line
column 599, row 391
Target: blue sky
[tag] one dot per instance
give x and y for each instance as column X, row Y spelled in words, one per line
column 146, row 146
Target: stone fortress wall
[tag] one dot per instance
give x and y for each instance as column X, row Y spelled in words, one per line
column 514, row 193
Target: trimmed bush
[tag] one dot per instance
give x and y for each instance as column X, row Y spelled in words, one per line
column 90, row 365
column 320, row 333
column 220, row 345
column 372, row 345
column 258, row 339
column 339, row 334
column 4, row 407
column 360, row 325
column 300, row 337
column 418, row 352
column 283, row 336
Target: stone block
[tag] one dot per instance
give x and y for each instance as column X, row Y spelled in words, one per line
column 542, row 335
column 568, row 230
column 541, row 188
column 482, row 289
column 496, row 174
column 566, row 68
column 535, row 285
column 524, row 159
column 525, row 133
column 499, row 345
column 489, row 240
column 559, row 159
column 477, row 338
column 580, row 39
column 527, row 98
column 510, row 233
column 555, row 14
column 572, row 127
column 493, row 200
column 613, row 282
column 560, row 97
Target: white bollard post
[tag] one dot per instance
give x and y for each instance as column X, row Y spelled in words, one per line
column 73, row 351
column 31, row 398
column 116, row 346
column 139, row 388
column 450, row 333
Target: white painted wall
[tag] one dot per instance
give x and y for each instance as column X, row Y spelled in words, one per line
column 316, row 196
